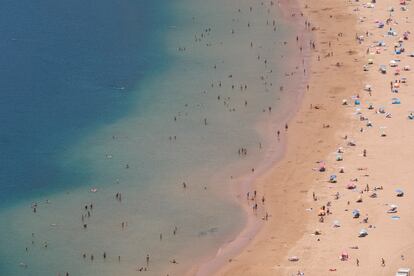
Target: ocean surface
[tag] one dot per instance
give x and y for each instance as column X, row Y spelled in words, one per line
column 122, row 124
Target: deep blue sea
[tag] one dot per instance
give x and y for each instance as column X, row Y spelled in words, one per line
column 67, row 67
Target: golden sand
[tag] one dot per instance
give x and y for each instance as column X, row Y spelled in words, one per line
column 316, row 133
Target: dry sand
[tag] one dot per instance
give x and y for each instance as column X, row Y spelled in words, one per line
column 290, row 185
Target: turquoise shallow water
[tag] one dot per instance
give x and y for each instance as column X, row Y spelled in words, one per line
column 193, row 95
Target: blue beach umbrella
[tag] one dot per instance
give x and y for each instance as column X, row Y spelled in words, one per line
column 355, row 213
column 399, row 192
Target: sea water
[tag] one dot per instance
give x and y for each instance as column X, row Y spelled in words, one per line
column 148, row 100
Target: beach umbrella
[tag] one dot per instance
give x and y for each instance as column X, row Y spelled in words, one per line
column 344, row 256
column 407, row 68
column 322, row 166
column 363, row 233
column 411, row 116
column 395, row 101
column 355, row 213
column 351, row 186
column 399, row 192
column 382, row 129
column 332, row 178
column 393, row 63
column 397, row 71
column 336, row 223
column 368, row 87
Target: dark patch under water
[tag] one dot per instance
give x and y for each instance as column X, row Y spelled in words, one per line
column 67, row 67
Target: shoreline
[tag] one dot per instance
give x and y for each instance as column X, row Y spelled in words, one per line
column 294, row 228
column 276, row 153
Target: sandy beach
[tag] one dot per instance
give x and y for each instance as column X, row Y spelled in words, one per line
column 350, row 124
column 297, row 110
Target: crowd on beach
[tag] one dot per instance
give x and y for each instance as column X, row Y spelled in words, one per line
column 348, row 183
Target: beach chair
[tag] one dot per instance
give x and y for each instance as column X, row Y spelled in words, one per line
column 403, row 272
column 393, row 209
column 293, row 258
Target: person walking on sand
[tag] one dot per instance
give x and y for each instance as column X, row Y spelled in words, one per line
column 382, row 262
column 148, row 259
